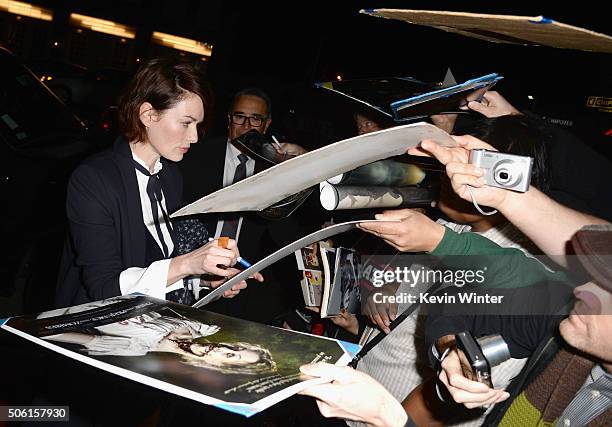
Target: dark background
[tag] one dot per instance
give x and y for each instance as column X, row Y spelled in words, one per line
column 285, row 47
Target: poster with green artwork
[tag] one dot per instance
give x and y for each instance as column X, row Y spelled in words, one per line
column 237, row 365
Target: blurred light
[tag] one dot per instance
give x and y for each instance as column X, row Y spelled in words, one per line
column 123, row 40
column 137, row 59
column 182, row 43
column 530, row 97
column 105, row 125
column 45, row 78
column 55, row 44
column 26, row 9
column 339, row 77
column 102, row 26
column 79, row 31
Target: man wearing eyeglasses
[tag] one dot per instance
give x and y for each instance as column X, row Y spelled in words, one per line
column 215, row 163
column 252, row 109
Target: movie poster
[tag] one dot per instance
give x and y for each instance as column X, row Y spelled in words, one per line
column 234, row 364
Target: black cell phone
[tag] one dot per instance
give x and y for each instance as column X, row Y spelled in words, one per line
column 473, row 362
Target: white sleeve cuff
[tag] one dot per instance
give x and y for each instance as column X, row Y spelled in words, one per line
column 149, row 281
column 175, row 286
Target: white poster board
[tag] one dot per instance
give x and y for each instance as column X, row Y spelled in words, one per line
column 285, row 179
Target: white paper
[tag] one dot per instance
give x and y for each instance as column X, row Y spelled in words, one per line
column 271, row 185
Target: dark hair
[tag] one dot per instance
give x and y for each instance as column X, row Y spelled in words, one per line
column 161, row 82
column 372, row 115
column 253, row 91
column 520, row 135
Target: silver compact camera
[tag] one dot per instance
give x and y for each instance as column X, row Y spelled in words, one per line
column 502, row 170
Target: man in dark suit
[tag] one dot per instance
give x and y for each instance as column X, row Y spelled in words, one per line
column 215, row 163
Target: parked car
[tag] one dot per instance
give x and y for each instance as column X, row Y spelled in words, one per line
column 76, row 85
column 41, row 141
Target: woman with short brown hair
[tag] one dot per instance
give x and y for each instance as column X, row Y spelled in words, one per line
column 120, row 238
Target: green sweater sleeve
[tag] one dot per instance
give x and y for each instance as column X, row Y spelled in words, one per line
column 501, row 267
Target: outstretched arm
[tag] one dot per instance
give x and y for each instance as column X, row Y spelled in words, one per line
column 547, row 223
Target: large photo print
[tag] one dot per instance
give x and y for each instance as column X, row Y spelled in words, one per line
column 231, row 363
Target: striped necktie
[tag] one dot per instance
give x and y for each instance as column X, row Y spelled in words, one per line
column 230, row 223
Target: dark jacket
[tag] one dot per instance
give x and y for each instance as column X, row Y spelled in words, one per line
column 579, row 174
column 106, row 230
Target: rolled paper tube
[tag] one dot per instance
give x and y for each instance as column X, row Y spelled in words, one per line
column 335, row 180
column 338, row 197
column 383, row 172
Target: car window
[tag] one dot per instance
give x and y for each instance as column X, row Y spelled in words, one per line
column 30, row 115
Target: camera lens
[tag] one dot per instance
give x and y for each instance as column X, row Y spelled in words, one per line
column 502, row 176
column 494, row 349
column 506, row 173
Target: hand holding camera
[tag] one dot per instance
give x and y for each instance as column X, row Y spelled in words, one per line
column 462, row 173
column 466, row 370
column 478, row 356
column 502, row 170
